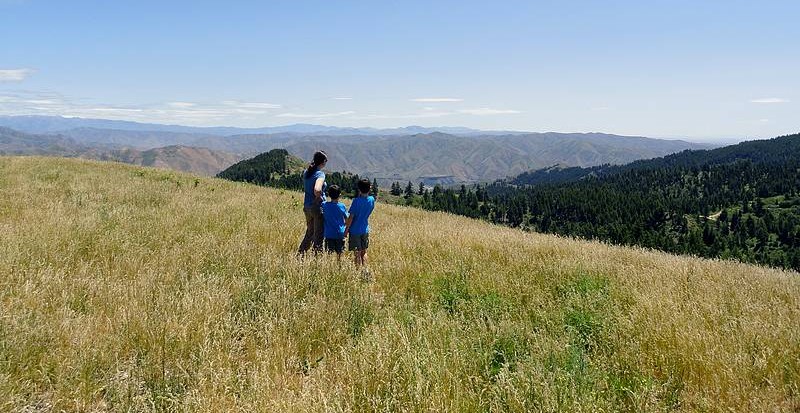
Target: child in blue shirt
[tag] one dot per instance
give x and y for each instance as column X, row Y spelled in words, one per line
column 357, row 225
column 335, row 215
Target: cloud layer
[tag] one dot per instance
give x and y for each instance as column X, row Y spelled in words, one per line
column 14, row 75
column 225, row 112
column 488, row 111
column 193, row 113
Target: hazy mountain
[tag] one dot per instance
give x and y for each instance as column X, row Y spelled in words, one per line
column 14, row 142
column 444, row 158
column 465, row 155
column 51, row 124
column 133, row 139
column 201, row 161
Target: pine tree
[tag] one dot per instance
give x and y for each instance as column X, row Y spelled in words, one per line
column 421, row 189
column 374, row 190
column 396, row 189
column 409, row 192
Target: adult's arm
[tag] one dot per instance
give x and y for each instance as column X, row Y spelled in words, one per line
column 318, row 189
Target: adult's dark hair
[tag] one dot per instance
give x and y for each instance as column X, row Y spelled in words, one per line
column 364, row 185
column 319, row 158
column 334, row 191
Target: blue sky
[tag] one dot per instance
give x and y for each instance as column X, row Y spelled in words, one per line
column 691, row 69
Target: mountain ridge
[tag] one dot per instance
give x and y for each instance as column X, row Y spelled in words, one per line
column 199, row 160
column 430, row 157
column 51, row 124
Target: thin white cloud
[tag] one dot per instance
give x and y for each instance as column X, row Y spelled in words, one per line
column 770, row 100
column 259, row 105
column 404, row 116
column 763, row 120
column 315, row 115
column 115, row 110
column 47, row 103
column 42, row 102
column 250, row 111
column 343, row 98
column 14, row 75
column 181, row 104
column 437, row 100
column 251, row 105
column 488, row 111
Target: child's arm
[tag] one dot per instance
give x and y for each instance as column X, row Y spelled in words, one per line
column 347, row 223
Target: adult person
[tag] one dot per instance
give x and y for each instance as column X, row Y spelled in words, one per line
column 314, row 187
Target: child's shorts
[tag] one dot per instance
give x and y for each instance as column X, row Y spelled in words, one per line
column 334, row 245
column 358, row 242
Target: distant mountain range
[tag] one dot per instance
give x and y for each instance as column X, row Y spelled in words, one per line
column 444, row 158
column 430, row 155
column 201, row 161
column 56, row 124
column 766, row 151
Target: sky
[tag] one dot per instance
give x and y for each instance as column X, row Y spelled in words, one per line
column 700, row 70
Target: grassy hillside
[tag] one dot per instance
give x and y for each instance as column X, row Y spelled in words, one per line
column 124, row 288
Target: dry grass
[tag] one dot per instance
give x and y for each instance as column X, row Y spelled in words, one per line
column 132, row 289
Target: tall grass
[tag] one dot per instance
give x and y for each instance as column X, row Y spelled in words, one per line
column 130, row 289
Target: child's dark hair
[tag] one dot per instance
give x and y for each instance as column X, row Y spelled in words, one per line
column 334, row 191
column 364, row 185
column 320, row 158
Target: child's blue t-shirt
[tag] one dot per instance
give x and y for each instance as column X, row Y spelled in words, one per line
column 360, row 209
column 334, row 214
column 308, row 187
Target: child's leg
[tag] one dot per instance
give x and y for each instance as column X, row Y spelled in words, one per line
column 363, row 257
column 339, row 248
column 357, row 257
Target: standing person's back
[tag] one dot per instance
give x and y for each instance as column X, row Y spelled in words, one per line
column 335, row 214
column 361, row 208
column 358, row 223
column 314, row 189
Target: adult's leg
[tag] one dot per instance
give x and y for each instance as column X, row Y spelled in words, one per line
column 305, row 244
column 319, row 229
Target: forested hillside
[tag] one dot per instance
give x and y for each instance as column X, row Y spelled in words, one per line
column 771, row 151
column 741, row 201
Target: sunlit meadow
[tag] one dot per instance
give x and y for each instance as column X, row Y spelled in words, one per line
column 134, row 289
